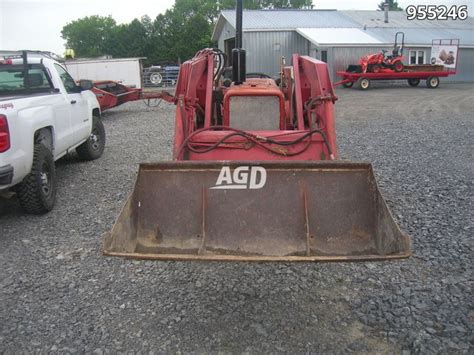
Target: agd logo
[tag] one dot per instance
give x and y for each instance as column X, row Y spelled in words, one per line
column 243, row 177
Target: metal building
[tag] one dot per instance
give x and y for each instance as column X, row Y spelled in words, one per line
column 340, row 38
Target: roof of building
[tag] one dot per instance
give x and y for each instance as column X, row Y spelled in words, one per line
column 337, row 36
column 289, row 19
column 424, row 36
column 360, row 26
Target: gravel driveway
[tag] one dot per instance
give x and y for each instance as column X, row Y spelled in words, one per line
column 58, row 293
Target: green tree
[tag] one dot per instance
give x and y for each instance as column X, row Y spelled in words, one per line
column 175, row 35
column 128, row 40
column 187, row 26
column 392, row 5
column 89, row 36
column 211, row 9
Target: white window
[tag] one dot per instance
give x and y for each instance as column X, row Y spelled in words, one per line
column 417, row 57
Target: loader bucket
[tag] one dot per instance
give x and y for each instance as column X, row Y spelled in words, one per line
column 263, row 211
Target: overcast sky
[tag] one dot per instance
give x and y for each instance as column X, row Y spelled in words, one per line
column 37, row 24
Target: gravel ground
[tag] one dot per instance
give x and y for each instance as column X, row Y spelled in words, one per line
column 59, row 294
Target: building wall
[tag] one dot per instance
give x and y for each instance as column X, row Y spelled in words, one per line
column 265, row 48
column 227, row 32
column 465, row 66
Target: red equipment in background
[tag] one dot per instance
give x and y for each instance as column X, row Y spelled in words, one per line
column 112, row 94
column 444, row 54
column 374, row 63
column 413, row 74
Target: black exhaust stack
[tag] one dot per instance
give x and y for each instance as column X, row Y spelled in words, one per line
column 238, row 54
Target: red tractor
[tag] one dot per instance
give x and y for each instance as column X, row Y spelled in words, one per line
column 256, row 174
column 374, row 63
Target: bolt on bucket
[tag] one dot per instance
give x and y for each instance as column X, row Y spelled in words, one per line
column 262, row 211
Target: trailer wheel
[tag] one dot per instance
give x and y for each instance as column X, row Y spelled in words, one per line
column 348, row 84
column 432, row 82
column 363, row 83
column 413, row 82
column 398, row 66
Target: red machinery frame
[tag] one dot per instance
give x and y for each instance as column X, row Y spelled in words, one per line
column 349, row 77
column 111, row 94
column 208, row 205
column 412, row 72
column 311, row 137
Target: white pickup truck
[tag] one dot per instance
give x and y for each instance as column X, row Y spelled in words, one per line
column 43, row 116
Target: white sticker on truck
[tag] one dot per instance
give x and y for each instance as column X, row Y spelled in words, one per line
column 7, row 105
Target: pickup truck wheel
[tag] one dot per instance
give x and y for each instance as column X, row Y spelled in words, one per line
column 94, row 146
column 37, row 192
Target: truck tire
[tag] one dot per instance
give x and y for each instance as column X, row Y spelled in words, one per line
column 94, row 146
column 37, row 191
column 432, row 82
column 348, row 84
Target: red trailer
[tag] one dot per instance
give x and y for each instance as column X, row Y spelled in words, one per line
column 413, row 74
column 111, row 94
column 444, row 53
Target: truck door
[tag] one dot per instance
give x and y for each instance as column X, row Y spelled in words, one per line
column 78, row 106
column 63, row 134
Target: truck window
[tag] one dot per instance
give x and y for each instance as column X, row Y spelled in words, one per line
column 12, row 80
column 68, row 81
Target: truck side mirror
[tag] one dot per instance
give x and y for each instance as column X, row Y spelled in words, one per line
column 86, row 84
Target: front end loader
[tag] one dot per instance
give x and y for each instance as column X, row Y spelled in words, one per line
column 255, row 175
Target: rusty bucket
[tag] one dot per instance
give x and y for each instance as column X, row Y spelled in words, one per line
column 263, row 211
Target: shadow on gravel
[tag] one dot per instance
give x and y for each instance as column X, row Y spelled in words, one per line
column 69, row 159
column 9, row 207
column 116, row 114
